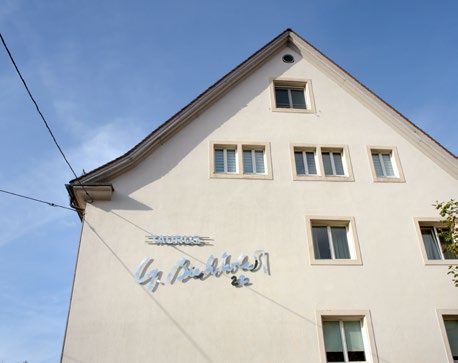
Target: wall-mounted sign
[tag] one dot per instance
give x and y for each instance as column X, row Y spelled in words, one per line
column 182, row 270
column 174, row 240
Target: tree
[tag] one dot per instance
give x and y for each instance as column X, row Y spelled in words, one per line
column 449, row 211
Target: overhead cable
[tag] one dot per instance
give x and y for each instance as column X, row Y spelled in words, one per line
column 41, row 115
column 37, row 200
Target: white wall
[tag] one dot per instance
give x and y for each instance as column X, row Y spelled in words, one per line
column 114, row 319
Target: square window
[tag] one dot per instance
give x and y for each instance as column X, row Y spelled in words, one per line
column 332, row 163
column 314, row 162
column 332, row 240
column 225, row 161
column 305, row 162
column 346, row 336
column 385, row 165
column 292, row 96
column 253, row 161
column 240, row 160
column 433, row 245
column 289, row 97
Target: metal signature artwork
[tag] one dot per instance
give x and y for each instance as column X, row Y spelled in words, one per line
column 183, row 271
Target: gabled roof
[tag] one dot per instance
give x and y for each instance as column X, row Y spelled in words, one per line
column 105, row 173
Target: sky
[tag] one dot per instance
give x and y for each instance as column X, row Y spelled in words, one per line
column 107, row 73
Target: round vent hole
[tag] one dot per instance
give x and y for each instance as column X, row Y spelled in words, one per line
column 288, row 58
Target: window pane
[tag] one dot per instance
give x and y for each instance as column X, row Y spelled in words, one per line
column 451, row 327
column 247, row 162
column 259, row 158
column 300, row 167
column 377, row 165
column 298, row 98
column 321, row 243
column 448, row 255
column 431, row 246
column 327, row 164
column 354, row 340
column 333, row 341
column 338, row 163
column 231, row 163
column 219, row 161
column 282, row 98
column 311, row 162
column 388, row 165
column 340, row 243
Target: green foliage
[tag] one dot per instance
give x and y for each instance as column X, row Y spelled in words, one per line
column 449, row 211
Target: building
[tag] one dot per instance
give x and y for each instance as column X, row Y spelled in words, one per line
column 285, row 215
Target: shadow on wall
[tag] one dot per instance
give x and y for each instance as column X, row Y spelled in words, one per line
column 167, row 156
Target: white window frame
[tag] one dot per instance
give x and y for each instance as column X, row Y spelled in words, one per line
column 435, row 223
column 288, row 83
column 352, row 239
column 367, row 332
column 252, row 151
column 239, row 147
column 395, row 163
column 318, row 150
column 446, row 314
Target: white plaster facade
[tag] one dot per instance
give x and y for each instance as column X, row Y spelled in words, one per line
column 166, row 186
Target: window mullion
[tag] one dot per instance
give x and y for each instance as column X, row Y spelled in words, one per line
column 306, row 167
column 225, row 168
column 290, row 98
column 344, row 341
column 382, row 163
column 331, row 244
column 253, row 161
column 438, row 242
column 333, row 166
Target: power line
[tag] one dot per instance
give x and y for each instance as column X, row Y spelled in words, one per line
column 41, row 115
column 37, row 200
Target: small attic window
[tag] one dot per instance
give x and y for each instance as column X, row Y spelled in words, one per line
column 292, row 96
column 288, row 58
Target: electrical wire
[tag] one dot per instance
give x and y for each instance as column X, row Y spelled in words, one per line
column 42, row 117
column 37, row 200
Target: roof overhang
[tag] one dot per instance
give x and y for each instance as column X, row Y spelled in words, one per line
column 81, row 194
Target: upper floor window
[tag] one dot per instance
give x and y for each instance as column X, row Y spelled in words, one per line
column 225, row 160
column 385, row 164
column 240, row 160
column 311, row 162
column 333, row 240
column 332, row 163
column 254, row 161
column 292, row 96
column 289, row 97
column 434, row 248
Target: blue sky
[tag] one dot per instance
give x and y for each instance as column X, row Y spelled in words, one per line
column 107, row 73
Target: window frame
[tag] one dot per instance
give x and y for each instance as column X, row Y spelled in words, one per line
column 239, row 147
column 435, row 223
column 367, row 331
column 442, row 315
column 288, row 83
column 318, row 150
column 352, row 239
column 395, row 162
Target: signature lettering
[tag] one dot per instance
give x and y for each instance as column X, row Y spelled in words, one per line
column 182, row 270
